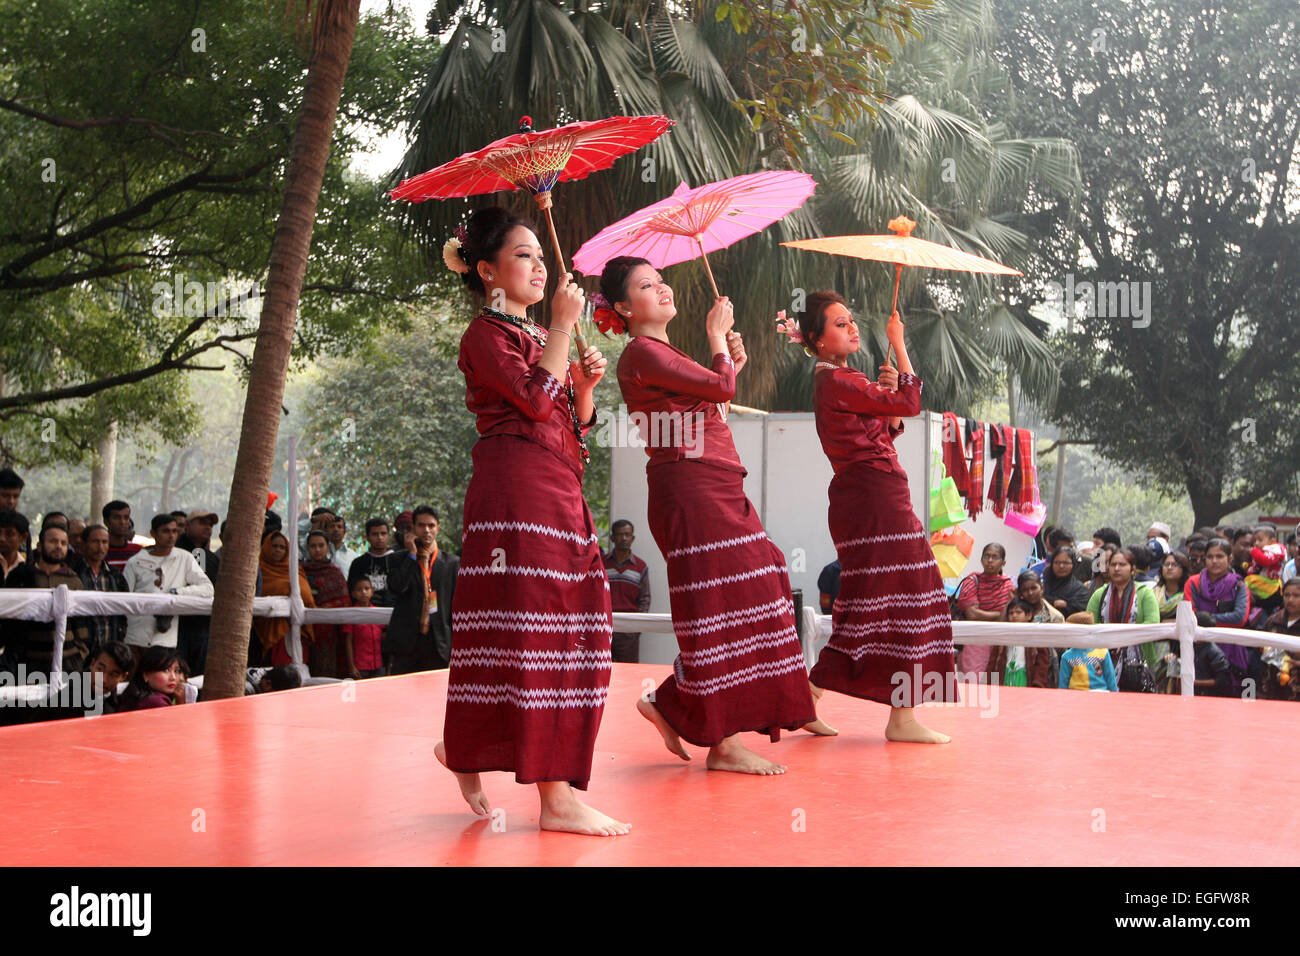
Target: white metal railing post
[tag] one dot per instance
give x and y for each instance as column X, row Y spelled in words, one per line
column 295, row 598
column 58, row 611
column 1185, row 628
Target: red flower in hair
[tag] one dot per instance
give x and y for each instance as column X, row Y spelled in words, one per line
column 606, row 319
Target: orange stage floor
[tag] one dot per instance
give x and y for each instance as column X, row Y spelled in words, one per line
column 307, row 778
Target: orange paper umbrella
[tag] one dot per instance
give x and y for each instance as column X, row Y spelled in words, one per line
column 903, row 249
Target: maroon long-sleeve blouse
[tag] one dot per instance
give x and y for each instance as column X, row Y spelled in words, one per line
column 852, row 416
column 510, row 394
column 679, row 398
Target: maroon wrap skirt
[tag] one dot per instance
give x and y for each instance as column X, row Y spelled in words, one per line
column 531, row 624
column 892, row 633
column 741, row 667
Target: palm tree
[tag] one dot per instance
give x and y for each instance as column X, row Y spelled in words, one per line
column 333, row 26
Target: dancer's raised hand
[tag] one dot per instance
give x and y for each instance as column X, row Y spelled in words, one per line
column 737, row 348
column 720, row 319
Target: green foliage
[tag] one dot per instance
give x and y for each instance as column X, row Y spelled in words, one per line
column 1129, row 507
column 1185, row 115
column 143, row 144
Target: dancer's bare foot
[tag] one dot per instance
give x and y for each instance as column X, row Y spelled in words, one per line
column 563, row 812
column 819, row 726
column 471, row 787
column 651, row 713
column 732, row 755
column 904, row 727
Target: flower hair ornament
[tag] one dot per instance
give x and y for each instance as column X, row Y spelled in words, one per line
column 789, row 327
column 451, row 252
column 606, row 319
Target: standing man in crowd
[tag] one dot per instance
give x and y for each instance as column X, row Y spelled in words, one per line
column 13, row 539
column 32, row 642
column 341, row 557
column 192, row 641
column 629, row 588
column 423, row 583
column 401, row 529
column 117, row 518
column 96, row 575
column 375, row 564
column 11, row 489
column 162, row 569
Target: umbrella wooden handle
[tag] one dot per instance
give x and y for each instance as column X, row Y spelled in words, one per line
column 544, row 201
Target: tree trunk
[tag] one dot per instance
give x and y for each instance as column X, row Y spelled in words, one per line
column 335, row 28
column 103, row 474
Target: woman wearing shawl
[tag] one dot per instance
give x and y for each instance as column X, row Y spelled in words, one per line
column 1221, row 599
column 530, row 664
column 329, row 589
column 271, row 631
column 1061, row 588
column 741, row 667
column 1122, row 600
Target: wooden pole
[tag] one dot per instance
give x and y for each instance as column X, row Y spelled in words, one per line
column 544, row 200
column 712, row 285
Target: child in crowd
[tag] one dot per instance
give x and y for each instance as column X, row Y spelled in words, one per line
column 1267, row 556
column 1088, row 669
column 264, row 680
column 1282, row 680
column 363, row 643
column 154, row 683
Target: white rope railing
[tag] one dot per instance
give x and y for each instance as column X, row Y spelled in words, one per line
column 61, row 603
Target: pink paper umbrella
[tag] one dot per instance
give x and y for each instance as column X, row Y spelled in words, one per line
column 695, row 222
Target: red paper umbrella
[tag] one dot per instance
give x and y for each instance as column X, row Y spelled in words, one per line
column 536, row 161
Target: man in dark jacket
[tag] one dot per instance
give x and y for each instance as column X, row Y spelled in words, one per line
column 192, row 633
column 422, row 584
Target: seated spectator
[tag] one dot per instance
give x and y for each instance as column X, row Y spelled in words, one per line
column 33, row 641
column 1170, row 584
column 828, row 586
column 114, row 664
column 14, row 530
column 97, row 575
column 1122, row 600
column 1029, row 589
column 1026, row 666
column 1056, row 539
column 1221, row 599
column 983, row 597
column 161, row 569
column 328, row 589
column 363, row 654
column 265, row 680
column 1282, row 677
column 155, row 680
column 271, row 631
column 1087, row 669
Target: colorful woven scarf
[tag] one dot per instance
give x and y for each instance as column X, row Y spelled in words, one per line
column 1022, row 492
column 975, row 500
column 1002, row 445
column 954, row 454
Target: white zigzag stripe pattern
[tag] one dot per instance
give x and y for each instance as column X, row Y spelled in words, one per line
column 749, row 674
column 881, row 538
column 578, row 659
column 746, row 645
column 539, row 698
column 534, row 572
column 729, row 579
column 550, row 623
column 891, row 649
column 936, row 597
column 729, row 542
column 551, row 386
column 857, row 629
column 696, row 626
column 529, row 527
column 886, row 568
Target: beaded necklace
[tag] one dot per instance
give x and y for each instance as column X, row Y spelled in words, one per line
column 538, row 335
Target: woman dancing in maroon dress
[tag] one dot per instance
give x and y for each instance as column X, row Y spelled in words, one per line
column 740, row 666
column 530, row 665
column 892, row 635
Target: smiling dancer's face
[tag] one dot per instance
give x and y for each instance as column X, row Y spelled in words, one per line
column 518, row 271
column 649, row 299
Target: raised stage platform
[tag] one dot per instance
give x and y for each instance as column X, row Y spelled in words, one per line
column 308, row 778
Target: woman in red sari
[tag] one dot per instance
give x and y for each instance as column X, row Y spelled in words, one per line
column 892, row 633
column 741, row 667
column 530, row 664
